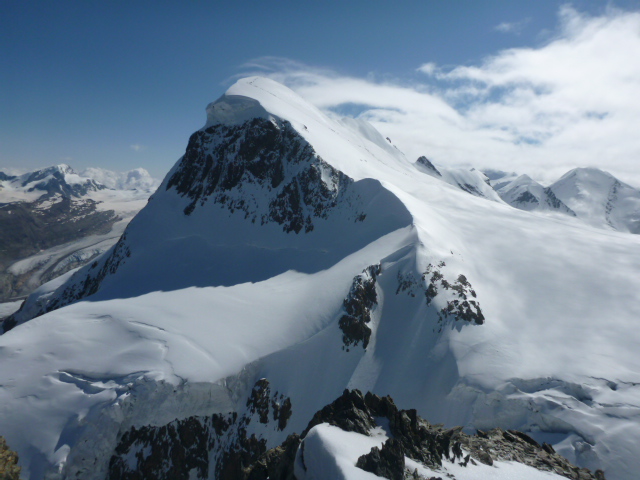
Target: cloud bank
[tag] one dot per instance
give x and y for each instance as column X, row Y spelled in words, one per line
column 573, row 101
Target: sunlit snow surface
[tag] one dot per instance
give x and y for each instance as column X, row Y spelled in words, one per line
column 332, row 453
column 557, row 355
column 8, row 308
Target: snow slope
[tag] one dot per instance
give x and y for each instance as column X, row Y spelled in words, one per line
column 600, row 199
column 471, row 181
column 280, row 246
column 527, row 194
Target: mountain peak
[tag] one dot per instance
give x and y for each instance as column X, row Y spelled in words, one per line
column 587, row 174
column 234, row 110
column 599, row 198
column 63, row 168
column 259, row 97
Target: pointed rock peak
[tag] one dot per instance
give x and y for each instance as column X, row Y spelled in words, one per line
column 425, row 162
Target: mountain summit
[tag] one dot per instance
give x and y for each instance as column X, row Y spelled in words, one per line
column 287, row 257
column 600, row 199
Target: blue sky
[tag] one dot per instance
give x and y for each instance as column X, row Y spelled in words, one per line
column 123, row 84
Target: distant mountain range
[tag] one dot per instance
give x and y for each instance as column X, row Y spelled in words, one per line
column 54, row 220
column 593, row 196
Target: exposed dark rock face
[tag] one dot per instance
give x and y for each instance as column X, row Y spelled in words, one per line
column 200, row 446
column 171, row 451
column 425, row 162
column 527, row 197
column 275, row 464
column 463, row 306
column 612, row 199
column 358, row 306
column 223, row 159
column 261, row 400
column 460, row 297
column 414, row 437
column 472, row 189
column 219, row 446
column 557, row 204
column 386, row 462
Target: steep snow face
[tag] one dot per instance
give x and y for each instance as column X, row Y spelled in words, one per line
column 289, row 247
column 600, row 199
column 527, row 194
column 471, row 181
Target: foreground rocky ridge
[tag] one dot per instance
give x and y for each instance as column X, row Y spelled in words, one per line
column 219, row 446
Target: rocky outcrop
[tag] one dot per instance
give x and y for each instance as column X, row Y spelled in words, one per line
column 218, row 445
column 261, row 402
column 413, row 437
column 457, row 299
column 386, row 461
column 358, row 306
column 430, row 167
column 223, row 159
column 9, row 469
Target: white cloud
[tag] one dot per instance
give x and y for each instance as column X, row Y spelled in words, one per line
column 512, row 27
column 429, row 68
column 574, row 101
column 137, row 148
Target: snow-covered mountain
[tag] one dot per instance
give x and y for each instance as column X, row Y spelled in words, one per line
column 469, row 180
column 59, row 179
column 288, row 256
column 526, row 194
column 600, row 199
column 593, row 196
column 136, row 179
column 54, row 220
